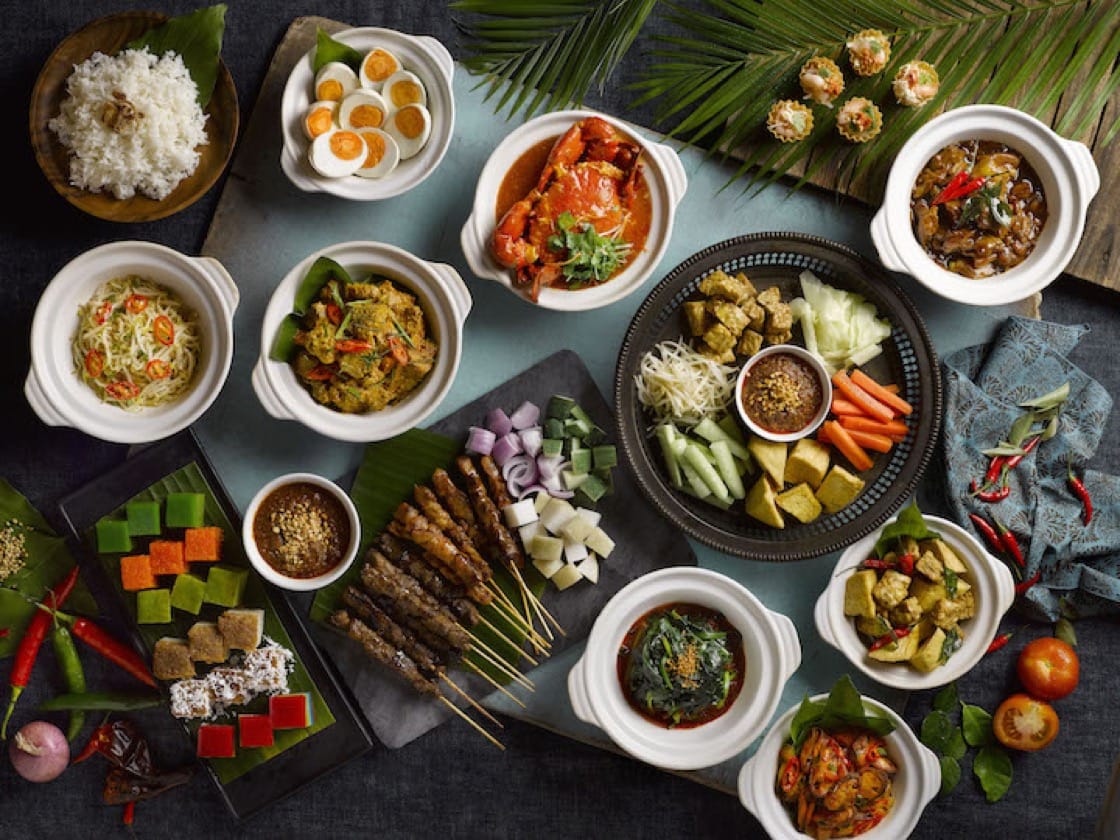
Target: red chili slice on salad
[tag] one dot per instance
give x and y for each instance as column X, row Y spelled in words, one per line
column 158, row 369
column 122, row 391
column 95, row 363
column 163, row 330
column 103, row 312
column 136, row 303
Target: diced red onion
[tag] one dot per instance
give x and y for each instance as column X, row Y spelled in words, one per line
column 498, row 422
column 520, row 471
column 532, row 439
column 526, row 415
column 480, row 441
column 550, row 466
column 540, row 488
column 506, row 447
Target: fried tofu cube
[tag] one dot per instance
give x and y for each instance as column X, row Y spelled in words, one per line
column 723, row 357
column 807, row 462
column 778, row 336
column 946, row 613
column 930, row 567
column 949, row 558
column 749, row 343
column 730, row 315
column 800, row 502
column 770, row 456
column 756, row 314
column 908, row 612
column 901, row 650
column 207, row 643
column 747, row 285
column 928, row 656
column 762, row 504
column 719, row 284
column 696, row 313
column 857, row 594
column 767, row 298
column 927, row 593
column 839, row 489
column 780, row 318
column 719, row 338
column 891, row 589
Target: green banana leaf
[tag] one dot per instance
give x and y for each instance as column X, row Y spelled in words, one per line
column 197, row 38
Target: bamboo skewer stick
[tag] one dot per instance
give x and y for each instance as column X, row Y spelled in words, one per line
column 501, row 665
column 513, row 645
column 472, row 722
column 474, row 703
column 514, row 617
column 478, row 644
column 535, row 601
column 494, row 683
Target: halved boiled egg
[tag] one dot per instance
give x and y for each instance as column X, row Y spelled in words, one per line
column 404, row 88
column 362, row 109
column 319, row 118
column 410, row 127
column 334, row 81
column 382, row 154
column 377, row 66
column 337, row 153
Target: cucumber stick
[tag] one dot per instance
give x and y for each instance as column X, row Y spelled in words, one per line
column 728, row 469
column 695, row 484
column 695, row 458
column 710, row 499
column 666, row 434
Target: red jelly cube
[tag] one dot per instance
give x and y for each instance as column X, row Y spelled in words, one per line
column 215, row 741
column 290, row 711
column 254, row 730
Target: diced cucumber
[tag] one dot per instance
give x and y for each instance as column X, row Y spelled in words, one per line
column 604, row 457
column 741, row 452
column 551, row 447
column 554, row 428
column 728, row 470
column 591, row 491
column 573, row 480
column 581, row 461
column 577, row 428
column 666, row 434
column 578, row 413
column 573, row 445
column 596, row 436
column 693, row 456
column 560, row 407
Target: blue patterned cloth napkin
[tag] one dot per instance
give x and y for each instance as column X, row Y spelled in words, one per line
column 984, row 386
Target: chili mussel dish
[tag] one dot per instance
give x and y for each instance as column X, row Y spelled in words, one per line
column 978, row 208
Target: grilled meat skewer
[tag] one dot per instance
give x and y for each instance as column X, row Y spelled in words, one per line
column 407, row 603
column 420, row 567
column 377, row 648
column 363, row 606
column 489, row 516
column 499, row 491
column 410, row 524
column 441, row 519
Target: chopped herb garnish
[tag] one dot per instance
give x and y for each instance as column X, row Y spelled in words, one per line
column 591, row 257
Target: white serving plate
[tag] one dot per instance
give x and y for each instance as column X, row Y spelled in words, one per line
column 664, row 175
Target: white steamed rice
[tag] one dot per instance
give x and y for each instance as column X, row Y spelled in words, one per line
column 162, row 148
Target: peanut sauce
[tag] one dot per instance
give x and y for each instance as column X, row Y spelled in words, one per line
column 782, row 393
column 301, row 530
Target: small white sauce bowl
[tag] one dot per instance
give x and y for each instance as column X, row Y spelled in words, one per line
column 916, row 783
column 991, row 580
column 55, row 391
column 664, row 175
column 422, row 55
column 442, row 295
column 771, row 647
column 1069, row 177
column 822, row 375
column 265, row 569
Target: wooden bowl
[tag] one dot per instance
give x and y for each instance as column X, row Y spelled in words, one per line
column 108, row 35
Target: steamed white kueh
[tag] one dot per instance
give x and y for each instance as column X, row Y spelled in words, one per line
column 382, row 154
column 362, row 109
column 377, row 66
column 320, row 118
column 334, row 81
column 337, row 153
column 411, row 126
column 404, row 88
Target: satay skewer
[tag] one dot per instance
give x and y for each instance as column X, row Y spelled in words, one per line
column 481, row 730
column 495, row 683
column 474, row 703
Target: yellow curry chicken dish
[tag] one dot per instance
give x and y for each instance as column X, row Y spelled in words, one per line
column 361, row 346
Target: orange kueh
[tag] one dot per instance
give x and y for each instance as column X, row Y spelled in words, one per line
column 202, row 545
column 136, row 573
column 167, row 557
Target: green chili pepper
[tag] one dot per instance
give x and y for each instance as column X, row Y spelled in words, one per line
column 66, row 652
column 100, row 701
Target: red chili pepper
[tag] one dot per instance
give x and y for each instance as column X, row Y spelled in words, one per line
column 32, row 640
column 1020, row 588
column 999, row 642
column 997, row 494
column 334, row 313
column 122, row 391
column 163, row 330
column 988, row 532
column 158, row 369
column 129, row 812
column 1028, row 447
column 995, row 471
column 136, row 303
column 4, row 632
column 95, row 363
column 112, row 649
column 893, row 636
column 397, row 350
column 100, row 736
column 103, row 312
column 322, row 373
column 906, row 564
column 969, row 187
column 1082, row 493
column 352, row 345
column 954, row 184
column 1010, row 543
column 875, row 563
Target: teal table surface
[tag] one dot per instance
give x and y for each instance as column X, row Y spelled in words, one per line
column 264, row 226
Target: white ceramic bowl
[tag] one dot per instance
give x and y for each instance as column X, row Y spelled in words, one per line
column 773, row 653
column 916, row 783
column 822, row 376
column 991, row 580
column 262, row 566
column 664, row 175
column 1069, row 180
column 442, row 295
column 422, row 55
column 54, row 390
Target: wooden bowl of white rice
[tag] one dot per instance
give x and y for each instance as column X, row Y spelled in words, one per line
column 104, row 183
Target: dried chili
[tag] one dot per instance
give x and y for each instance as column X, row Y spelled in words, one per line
column 988, row 532
column 875, row 563
column 132, row 776
column 951, row 188
column 999, row 642
column 906, row 564
column 1082, row 494
column 1010, row 543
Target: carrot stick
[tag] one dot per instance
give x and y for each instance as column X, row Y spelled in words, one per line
column 893, row 388
column 868, row 440
column 895, row 428
column 880, row 393
column 839, row 437
column 871, row 406
column 846, row 408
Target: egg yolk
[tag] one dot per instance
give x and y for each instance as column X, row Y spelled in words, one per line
column 375, row 150
column 410, row 122
column 405, row 92
column 319, row 122
column 379, row 66
column 329, row 89
column 366, row 116
column 346, row 145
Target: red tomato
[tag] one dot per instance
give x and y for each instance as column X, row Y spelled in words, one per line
column 1049, row 668
column 1023, row 723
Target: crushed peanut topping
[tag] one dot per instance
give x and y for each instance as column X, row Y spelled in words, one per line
column 685, row 666
column 301, row 530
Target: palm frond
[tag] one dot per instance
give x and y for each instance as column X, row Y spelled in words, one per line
column 1056, row 59
column 547, row 53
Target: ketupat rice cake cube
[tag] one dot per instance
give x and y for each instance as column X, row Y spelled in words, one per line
column 187, row 593
column 202, row 545
column 153, row 606
column 143, row 518
column 136, row 573
column 185, row 510
column 242, row 629
column 225, row 586
column 206, row 643
column 113, row 537
column 171, row 659
column 167, row 557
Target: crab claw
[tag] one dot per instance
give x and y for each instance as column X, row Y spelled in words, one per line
column 511, row 247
